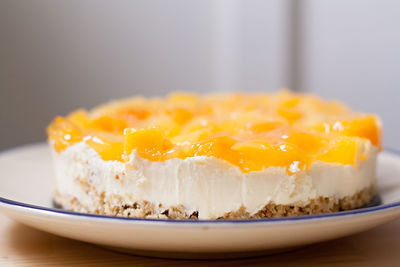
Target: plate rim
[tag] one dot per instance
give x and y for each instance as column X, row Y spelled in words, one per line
column 9, row 203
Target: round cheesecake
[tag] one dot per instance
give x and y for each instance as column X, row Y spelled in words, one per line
column 221, row 156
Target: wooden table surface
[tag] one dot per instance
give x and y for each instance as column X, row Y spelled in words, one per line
column 23, row 246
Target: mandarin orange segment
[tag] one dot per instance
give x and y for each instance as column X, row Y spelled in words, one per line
column 218, row 147
column 308, row 143
column 80, row 119
column 62, row 133
column 180, row 115
column 108, row 124
column 167, row 127
column 256, row 156
column 201, row 123
column 107, row 148
column 344, row 150
column 192, row 137
column 150, row 144
column 363, row 126
column 264, row 126
column 291, row 115
column 250, row 131
column 291, row 102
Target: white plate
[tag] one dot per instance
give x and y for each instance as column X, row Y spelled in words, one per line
column 26, row 189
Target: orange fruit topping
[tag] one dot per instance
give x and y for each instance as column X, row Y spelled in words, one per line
column 250, row 131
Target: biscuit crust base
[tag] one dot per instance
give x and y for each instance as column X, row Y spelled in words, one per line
column 114, row 205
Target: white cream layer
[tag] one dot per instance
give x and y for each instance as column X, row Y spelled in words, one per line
column 206, row 184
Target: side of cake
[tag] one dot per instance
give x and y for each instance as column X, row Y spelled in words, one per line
column 228, row 156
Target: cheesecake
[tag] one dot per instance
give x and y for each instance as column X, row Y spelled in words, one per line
column 217, row 156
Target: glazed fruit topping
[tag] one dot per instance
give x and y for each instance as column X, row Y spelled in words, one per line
column 250, row 131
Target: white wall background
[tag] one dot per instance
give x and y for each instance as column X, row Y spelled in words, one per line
column 56, row 55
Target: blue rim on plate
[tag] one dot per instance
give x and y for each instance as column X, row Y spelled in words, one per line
column 372, row 206
column 375, row 202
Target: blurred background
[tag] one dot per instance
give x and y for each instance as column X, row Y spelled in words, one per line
column 56, row 56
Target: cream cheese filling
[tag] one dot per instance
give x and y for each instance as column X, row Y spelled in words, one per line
column 208, row 185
